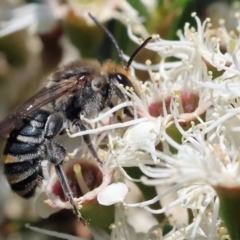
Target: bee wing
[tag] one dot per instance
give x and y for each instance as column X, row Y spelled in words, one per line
column 40, row 99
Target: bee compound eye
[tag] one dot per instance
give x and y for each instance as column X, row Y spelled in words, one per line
column 122, row 79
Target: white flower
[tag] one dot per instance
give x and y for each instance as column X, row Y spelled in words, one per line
column 113, row 193
column 143, row 135
column 182, row 135
column 36, row 17
column 105, row 10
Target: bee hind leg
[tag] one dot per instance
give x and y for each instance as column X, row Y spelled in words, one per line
column 68, row 193
column 56, row 154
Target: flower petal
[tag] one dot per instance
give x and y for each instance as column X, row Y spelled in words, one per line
column 141, row 135
column 113, row 193
column 43, row 209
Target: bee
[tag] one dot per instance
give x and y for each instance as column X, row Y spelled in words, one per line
column 83, row 87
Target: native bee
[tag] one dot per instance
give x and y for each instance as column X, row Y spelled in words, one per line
column 81, row 87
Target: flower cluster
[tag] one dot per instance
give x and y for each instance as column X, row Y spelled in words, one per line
column 184, row 137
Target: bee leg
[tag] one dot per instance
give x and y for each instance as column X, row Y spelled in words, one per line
column 55, row 124
column 128, row 111
column 56, row 154
column 88, row 141
column 68, row 193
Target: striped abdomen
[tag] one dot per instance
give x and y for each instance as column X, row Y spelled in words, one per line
column 23, row 154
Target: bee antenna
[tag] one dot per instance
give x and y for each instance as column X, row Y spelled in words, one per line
column 109, row 35
column 137, row 51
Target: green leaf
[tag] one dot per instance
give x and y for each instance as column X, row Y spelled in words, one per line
column 86, row 38
column 187, row 7
column 148, row 192
column 100, row 216
column 14, row 48
column 230, row 209
column 174, row 133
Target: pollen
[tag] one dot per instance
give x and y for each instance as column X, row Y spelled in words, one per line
column 148, row 62
column 155, row 36
column 112, row 226
column 194, row 14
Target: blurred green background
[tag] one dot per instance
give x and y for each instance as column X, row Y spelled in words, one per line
column 38, row 36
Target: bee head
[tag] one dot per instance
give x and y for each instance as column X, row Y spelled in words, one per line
column 116, row 76
column 119, row 77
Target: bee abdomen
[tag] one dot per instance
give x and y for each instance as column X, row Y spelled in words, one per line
column 20, row 170
column 17, row 148
column 30, row 134
column 24, row 177
column 23, row 154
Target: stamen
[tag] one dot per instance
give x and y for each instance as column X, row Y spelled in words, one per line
column 51, row 233
column 109, row 112
column 105, row 128
column 78, row 172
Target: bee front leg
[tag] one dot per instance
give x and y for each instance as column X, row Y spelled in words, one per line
column 56, row 154
column 88, row 141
